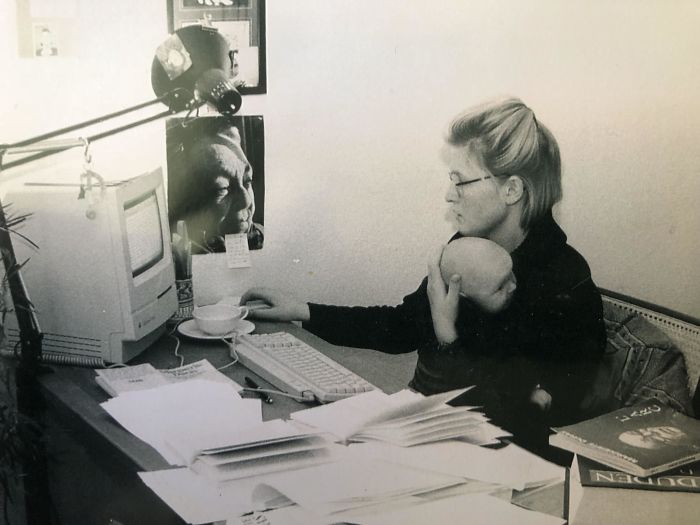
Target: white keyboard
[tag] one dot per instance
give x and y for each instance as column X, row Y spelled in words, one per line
column 297, row 368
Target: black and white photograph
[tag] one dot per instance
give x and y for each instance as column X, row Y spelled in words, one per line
column 242, row 23
column 216, row 179
column 322, row 262
column 45, row 43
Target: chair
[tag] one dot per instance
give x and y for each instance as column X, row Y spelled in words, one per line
column 651, row 353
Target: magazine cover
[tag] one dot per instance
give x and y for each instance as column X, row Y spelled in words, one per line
column 642, row 440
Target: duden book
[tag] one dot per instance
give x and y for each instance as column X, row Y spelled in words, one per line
column 599, row 494
column 641, row 440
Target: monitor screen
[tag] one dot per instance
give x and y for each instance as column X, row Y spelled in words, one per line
column 143, row 233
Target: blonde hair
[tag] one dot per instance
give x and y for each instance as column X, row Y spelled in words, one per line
column 508, row 140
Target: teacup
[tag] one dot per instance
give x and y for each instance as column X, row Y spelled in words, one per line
column 218, row 319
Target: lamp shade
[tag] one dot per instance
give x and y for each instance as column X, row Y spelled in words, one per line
column 184, row 59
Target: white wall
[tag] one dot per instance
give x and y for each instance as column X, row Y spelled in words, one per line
column 359, row 94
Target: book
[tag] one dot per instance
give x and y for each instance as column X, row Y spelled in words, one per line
column 118, row 380
column 641, row 440
column 405, row 418
column 599, row 495
column 679, row 479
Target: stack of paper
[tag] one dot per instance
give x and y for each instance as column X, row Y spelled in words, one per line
column 509, row 466
column 178, row 419
column 405, row 419
column 269, row 447
column 349, row 484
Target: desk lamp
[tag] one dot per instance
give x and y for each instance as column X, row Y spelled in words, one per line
column 188, row 71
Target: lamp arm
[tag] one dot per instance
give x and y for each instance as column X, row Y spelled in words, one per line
column 168, row 98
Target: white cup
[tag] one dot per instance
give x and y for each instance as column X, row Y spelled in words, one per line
column 218, row 319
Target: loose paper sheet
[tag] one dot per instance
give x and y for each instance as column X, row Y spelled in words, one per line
column 188, row 410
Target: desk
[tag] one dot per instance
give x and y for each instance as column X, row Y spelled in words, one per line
column 93, row 461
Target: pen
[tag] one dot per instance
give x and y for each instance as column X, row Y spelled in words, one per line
column 253, row 385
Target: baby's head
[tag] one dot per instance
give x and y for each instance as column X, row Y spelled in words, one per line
column 485, row 268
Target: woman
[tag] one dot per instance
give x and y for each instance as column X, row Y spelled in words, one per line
column 531, row 362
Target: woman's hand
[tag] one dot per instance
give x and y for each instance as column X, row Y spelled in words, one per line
column 283, row 306
column 444, row 300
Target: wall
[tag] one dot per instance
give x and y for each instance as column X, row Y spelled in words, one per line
column 359, row 94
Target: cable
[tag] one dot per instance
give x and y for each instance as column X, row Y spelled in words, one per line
column 172, row 335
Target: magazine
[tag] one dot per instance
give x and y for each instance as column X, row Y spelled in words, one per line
column 118, row 380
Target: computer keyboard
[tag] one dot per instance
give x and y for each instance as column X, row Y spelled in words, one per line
column 295, row 367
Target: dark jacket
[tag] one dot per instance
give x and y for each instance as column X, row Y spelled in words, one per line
column 552, row 335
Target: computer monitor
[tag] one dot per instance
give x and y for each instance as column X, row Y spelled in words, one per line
column 102, row 281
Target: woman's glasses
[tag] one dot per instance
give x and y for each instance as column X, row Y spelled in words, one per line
column 466, row 182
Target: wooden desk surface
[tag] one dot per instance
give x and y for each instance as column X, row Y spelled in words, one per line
column 74, row 399
column 73, row 392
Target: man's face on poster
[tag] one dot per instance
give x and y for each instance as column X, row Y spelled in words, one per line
column 227, row 201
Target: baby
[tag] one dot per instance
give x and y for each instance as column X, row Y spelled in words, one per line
column 486, row 271
column 487, row 279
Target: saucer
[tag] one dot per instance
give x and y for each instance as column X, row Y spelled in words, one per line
column 190, row 329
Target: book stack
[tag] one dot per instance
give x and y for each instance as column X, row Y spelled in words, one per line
column 636, row 465
column 599, row 494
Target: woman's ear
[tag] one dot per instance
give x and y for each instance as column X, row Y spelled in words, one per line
column 513, row 189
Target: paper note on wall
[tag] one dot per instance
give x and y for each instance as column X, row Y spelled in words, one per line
column 237, row 254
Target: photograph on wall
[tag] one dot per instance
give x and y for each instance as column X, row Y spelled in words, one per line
column 47, row 28
column 242, row 23
column 45, row 43
column 216, row 179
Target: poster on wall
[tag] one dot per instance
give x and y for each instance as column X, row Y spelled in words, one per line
column 242, row 23
column 216, row 179
column 46, row 28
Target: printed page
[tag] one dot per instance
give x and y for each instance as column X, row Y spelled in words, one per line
column 129, row 378
column 201, row 369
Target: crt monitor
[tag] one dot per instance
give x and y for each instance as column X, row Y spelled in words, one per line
column 102, row 281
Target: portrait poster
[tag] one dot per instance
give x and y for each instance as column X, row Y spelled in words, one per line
column 216, row 179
